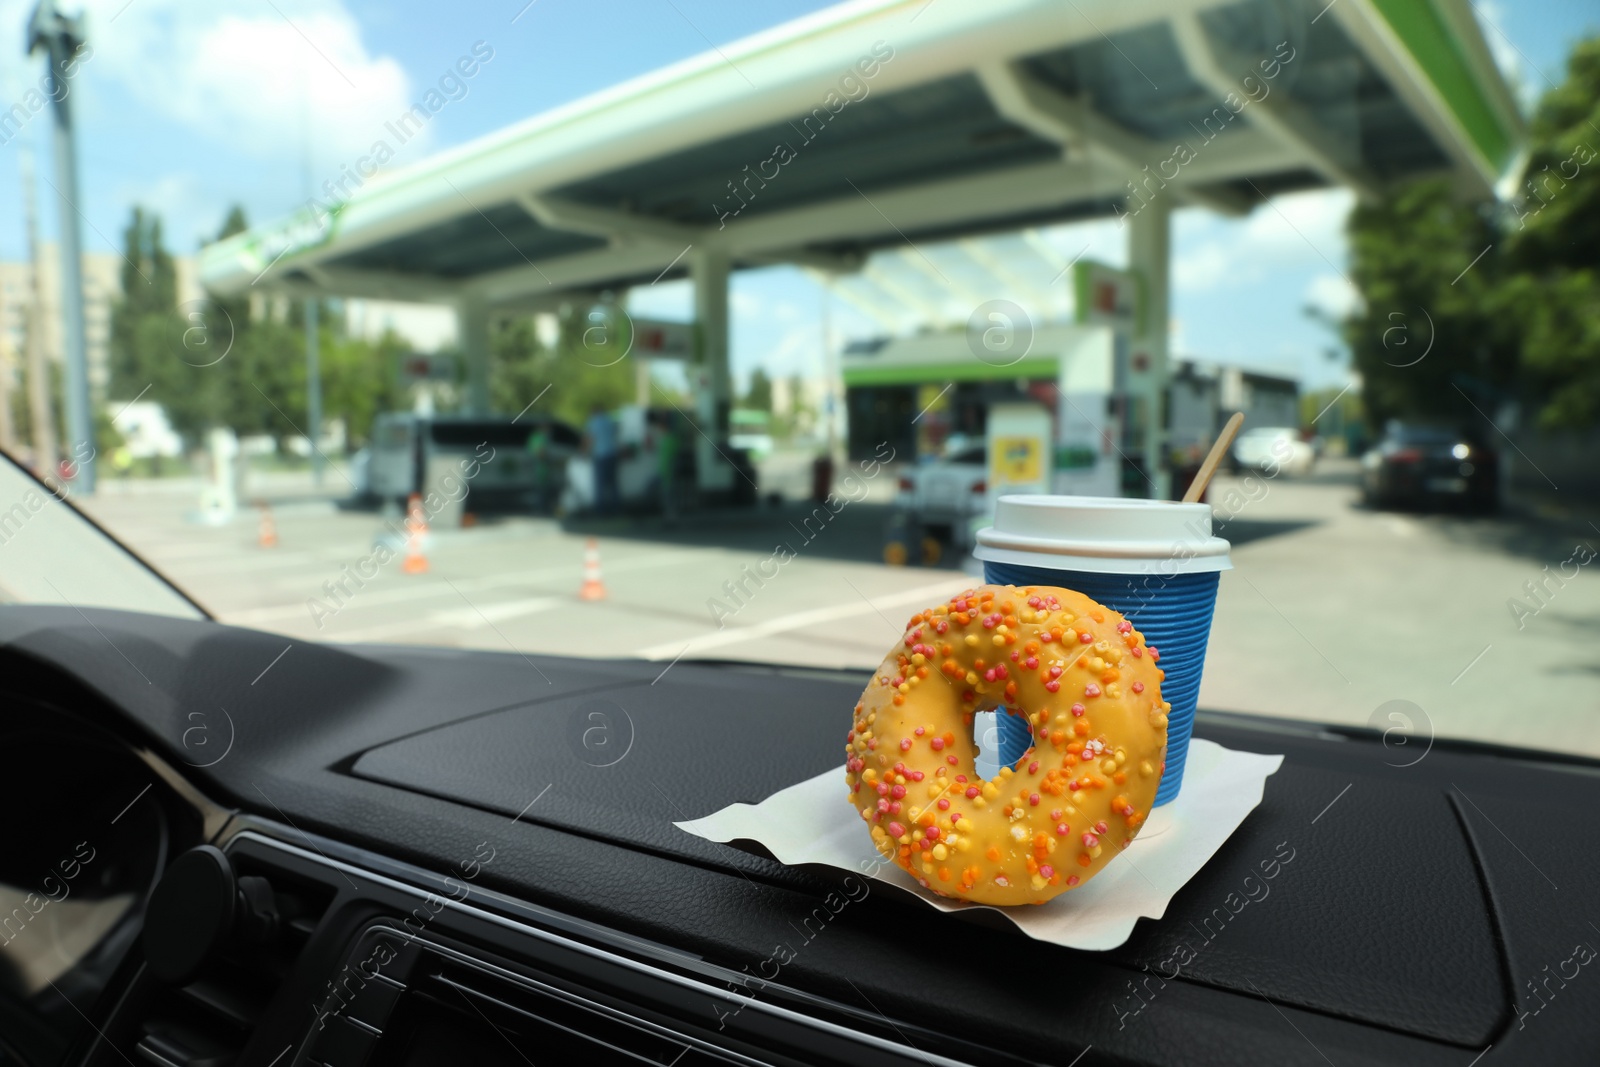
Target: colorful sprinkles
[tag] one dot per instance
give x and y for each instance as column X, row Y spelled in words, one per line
column 1087, row 782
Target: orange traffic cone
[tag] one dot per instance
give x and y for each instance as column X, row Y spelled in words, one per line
column 416, row 529
column 593, row 587
column 268, row 535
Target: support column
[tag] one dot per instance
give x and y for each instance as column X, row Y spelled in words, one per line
column 1149, row 255
column 472, row 336
column 710, row 267
column 314, row 389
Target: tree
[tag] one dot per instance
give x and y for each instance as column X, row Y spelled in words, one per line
column 1505, row 295
column 515, row 371
column 758, row 396
column 149, row 276
column 262, row 382
column 1554, row 248
column 586, row 366
column 145, row 318
column 215, row 364
column 360, row 380
column 234, row 311
column 1425, row 329
column 156, row 351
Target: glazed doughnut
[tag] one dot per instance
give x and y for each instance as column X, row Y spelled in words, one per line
column 1092, row 692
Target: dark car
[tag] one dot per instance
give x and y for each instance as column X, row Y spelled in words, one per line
column 1425, row 466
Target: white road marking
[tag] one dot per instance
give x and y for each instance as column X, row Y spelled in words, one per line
column 455, row 619
column 472, row 618
column 734, row 635
column 429, row 588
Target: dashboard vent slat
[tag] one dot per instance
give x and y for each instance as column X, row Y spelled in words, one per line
column 224, row 1000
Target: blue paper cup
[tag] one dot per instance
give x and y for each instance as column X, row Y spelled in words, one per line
column 1154, row 562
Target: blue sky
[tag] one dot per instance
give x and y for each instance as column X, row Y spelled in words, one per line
column 188, row 106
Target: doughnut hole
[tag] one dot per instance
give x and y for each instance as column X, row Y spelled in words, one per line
column 986, row 738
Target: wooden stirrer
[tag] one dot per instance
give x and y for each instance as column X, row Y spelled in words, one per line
column 1214, row 457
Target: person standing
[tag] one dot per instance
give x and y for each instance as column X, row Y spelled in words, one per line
column 122, row 461
column 600, row 439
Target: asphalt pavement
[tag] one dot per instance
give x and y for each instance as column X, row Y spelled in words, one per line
column 1332, row 612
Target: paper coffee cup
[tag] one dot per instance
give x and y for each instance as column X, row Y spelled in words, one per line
column 1156, row 562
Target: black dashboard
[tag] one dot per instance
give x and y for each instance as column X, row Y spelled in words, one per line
column 465, row 857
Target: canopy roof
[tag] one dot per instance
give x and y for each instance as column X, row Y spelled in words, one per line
column 879, row 122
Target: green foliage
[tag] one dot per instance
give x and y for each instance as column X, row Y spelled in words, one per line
column 235, row 310
column 1555, row 218
column 1554, row 248
column 516, row 374
column 149, row 276
column 585, row 367
column 1408, row 253
column 1524, row 320
column 147, row 315
column 1559, row 309
column 1332, row 411
column 360, row 380
column 758, row 397
column 267, row 363
column 220, row 365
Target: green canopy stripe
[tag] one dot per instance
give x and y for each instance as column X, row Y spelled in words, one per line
column 975, row 370
column 1435, row 49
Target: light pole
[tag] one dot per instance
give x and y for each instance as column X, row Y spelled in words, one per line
column 60, row 36
column 313, row 391
column 313, row 354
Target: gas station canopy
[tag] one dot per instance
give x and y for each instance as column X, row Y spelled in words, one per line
column 879, row 122
column 882, row 123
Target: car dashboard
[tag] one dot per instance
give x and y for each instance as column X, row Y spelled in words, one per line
column 434, row 856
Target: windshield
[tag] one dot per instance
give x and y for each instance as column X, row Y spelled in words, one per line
column 52, row 554
column 680, row 337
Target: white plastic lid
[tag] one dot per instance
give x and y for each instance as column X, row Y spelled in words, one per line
column 1103, row 535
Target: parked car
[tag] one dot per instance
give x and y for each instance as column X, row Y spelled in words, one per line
column 937, row 501
column 1419, row 466
column 406, row 446
column 1274, row 450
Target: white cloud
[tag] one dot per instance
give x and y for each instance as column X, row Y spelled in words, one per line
column 1204, row 268
column 796, row 351
column 744, row 303
column 1103, row 240
column 251, row 75
column 1301, row 225
column 671, row 300
column 1293, row 231
column 1333, row 295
